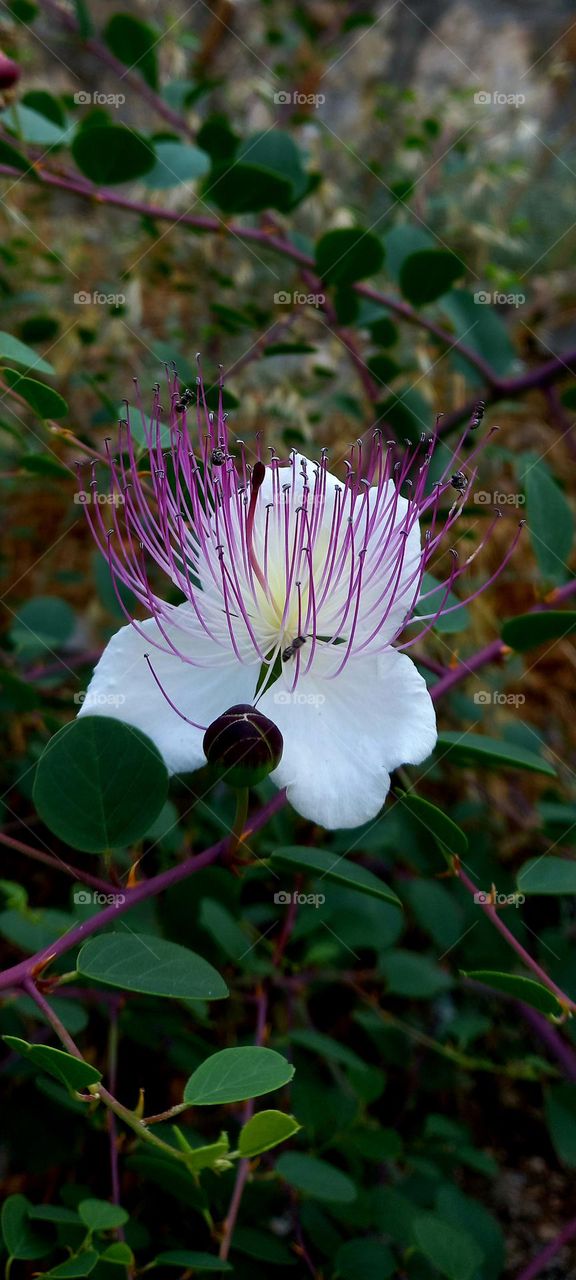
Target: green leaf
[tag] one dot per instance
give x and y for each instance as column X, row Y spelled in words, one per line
column 265, row 1130
column 9, row 155
column 316, row 1178
column 481, row 328
column 134, row 42
column 46, row 402
column 18, row 353
column 531, row 629
column 452, row 1251
column 20, row 1239
column 176, row 162
column 348, row 255
column 232, row 1075
column 151, row 966
column 100, row 1215
column 44, row 622
column 526, row 989
column 266, row 172
column 447, row 834
column 550, row 521
column 109, row 154
column 100, row 784
column 547, row 875
column 54, row 1213
column 35, row 128
column 81, row 1264
column 428, row 273
column 403, row 242
column 412, row 975
column 327, row 1048
column 264, row 1246
column 209, row 1157
column 366, row 1258
column 561, row 1117
column 70, row 1071
column 446, row 623
column 477, row 749
column 119, row 1254
column 185, row 1258
column 332, row 866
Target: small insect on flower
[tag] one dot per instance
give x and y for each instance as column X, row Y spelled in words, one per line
column 184, row 401
column 293, row 648
column 302, row 593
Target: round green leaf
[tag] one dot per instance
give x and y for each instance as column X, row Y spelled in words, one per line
column 531, row 629
column 428, row 273
column 150, row 965
column 176, row 162
column 453, row 1252
column 550, row 521
column 46, row 402
column 81, row 1264
column 316, row 1178
column 43, row 622
column 478, row 749
column 112, row 154
column 20, row 1238
column 526, row 989
column 265, row 1130
column 134, row 43
column 18, row 353
column 367, row 1258
column 70, row 1071
column 100, row 784
column 332, row 866
column 232, row 1075
column 410, row 974
column 548, row 875
column 348, row 255
column 100, row 1215
column 428, row 816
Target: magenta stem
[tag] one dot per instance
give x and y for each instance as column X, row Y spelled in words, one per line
column 536, row 1266
column 18, row 973
column 513, row 942
column 496, row 648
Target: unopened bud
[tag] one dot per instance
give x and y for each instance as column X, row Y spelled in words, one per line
column 9, row 72
column 244, row 745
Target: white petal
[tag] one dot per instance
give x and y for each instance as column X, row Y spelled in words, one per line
column 123, row 686
column 342, row 737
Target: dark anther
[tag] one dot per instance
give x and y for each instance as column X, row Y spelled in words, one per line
column 459, row 481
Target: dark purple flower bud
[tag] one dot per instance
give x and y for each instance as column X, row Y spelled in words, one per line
column 9, row 72
column 244, row 745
